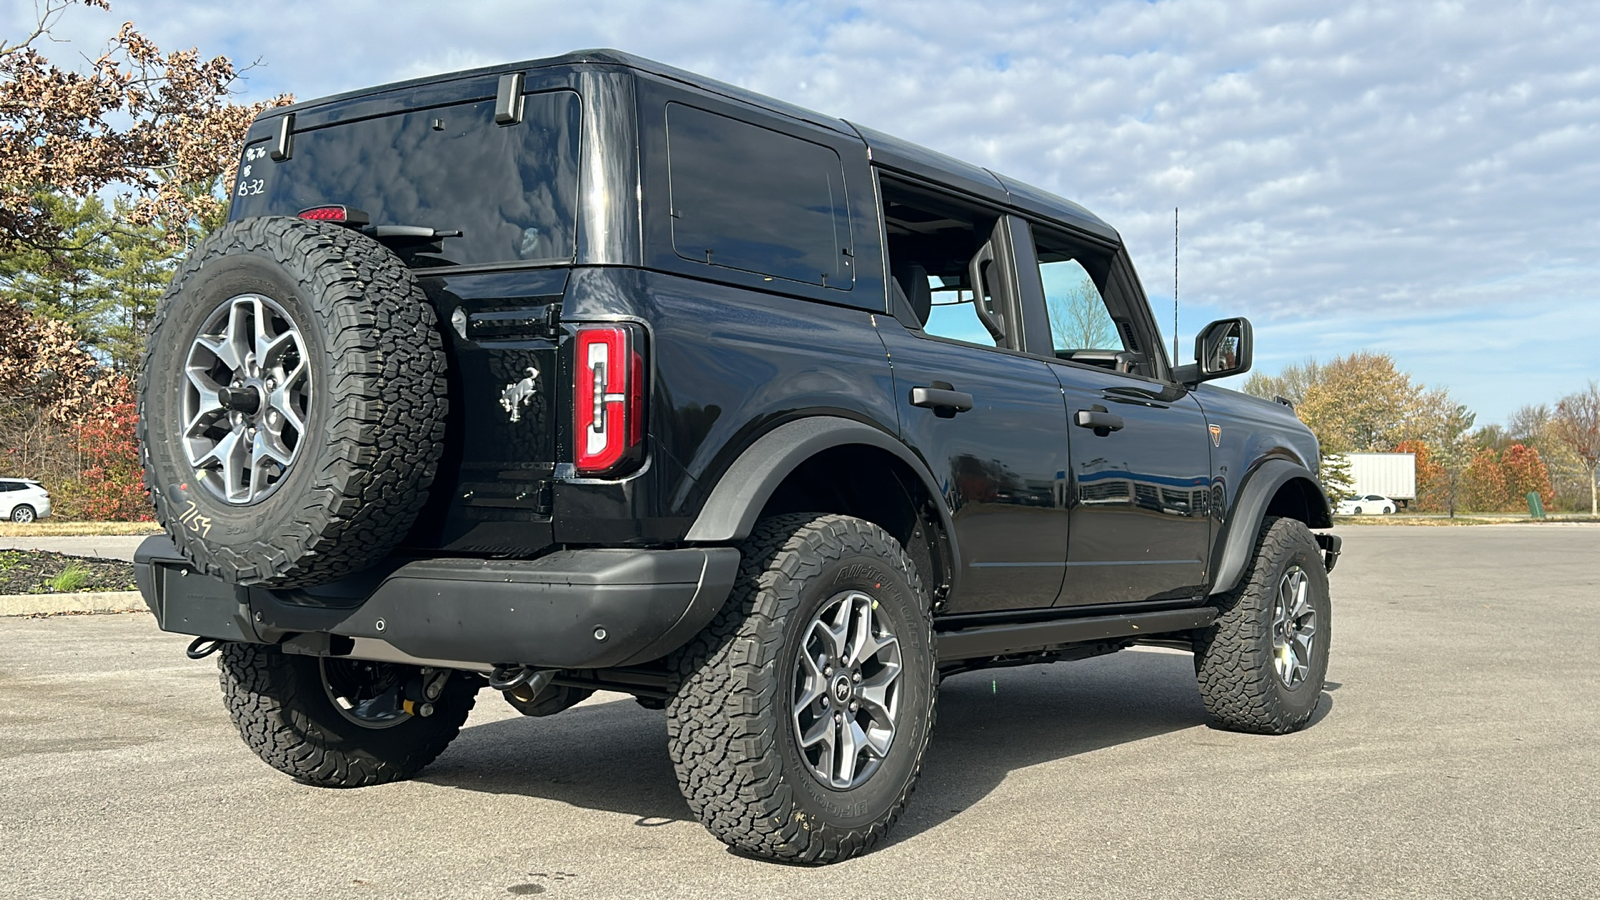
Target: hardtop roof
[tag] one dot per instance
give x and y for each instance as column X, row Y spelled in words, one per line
column 885, row 151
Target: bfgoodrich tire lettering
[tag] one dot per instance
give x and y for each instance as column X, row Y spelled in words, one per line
column 731, row 723
column 1246, row 680
column 285, row 714
column 374, row 415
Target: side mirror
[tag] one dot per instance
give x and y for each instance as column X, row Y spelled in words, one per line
column 1223, row 348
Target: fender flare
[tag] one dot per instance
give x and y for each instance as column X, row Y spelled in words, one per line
column 743, row 490
column 1239, row 537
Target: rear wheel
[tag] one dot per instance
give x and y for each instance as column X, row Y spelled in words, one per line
column 803, row 710
column 337, row 722
column 23, row 513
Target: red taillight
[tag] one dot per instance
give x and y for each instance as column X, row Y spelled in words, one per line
column 343, row 215
column 607, row 399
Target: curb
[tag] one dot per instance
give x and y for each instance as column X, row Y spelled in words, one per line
column 55, row 604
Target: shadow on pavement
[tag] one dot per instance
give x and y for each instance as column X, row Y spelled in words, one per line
column 613, row 756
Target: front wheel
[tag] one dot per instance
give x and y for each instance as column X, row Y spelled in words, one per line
column 1261, row 664
column 802, row 711
column 22, row 514
column 337, row 722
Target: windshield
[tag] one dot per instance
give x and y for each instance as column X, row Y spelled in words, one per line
column 511, row 190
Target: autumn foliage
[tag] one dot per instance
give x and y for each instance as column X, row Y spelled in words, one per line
column 1493, row 480
column 152, row 122
column 66, row 420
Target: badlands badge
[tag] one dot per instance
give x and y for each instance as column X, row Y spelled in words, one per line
column 1216, row 435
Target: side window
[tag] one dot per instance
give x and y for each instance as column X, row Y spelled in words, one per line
column 932, row 245
column 1090, row 308
column 749, row 198
column 1079, row 319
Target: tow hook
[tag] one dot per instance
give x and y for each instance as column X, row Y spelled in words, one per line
column 202, row 647
column 1330, row 544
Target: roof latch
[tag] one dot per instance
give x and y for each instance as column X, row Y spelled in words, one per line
column 283, row 148
column 508, row 100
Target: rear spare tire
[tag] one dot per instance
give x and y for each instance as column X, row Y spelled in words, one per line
column 292, row 407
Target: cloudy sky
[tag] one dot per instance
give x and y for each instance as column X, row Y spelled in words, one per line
column 1416, row 178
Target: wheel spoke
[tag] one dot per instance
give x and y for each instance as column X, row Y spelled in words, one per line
column 208, row 408
column 879, row 738
column 851, row 739
column 238, row 336
column 833, row 636
column 815, row 685
column 820, row 732
column 874, row 695
column 229, row 453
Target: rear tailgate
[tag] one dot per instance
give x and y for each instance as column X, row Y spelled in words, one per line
column 510, row 189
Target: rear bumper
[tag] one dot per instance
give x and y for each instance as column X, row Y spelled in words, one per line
column 573, row 609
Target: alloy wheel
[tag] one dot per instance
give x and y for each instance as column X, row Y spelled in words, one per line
column 246, row 399
column 846, row 694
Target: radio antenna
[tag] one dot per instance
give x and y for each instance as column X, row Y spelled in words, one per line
column 1174, row 285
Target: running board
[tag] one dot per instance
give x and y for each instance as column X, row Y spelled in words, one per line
column 1026, row 637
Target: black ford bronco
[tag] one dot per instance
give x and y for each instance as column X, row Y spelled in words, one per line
column 591, row 374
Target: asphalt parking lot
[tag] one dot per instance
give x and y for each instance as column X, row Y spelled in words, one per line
column 1455, row 754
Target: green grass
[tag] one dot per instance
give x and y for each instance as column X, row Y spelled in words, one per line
column 73, row 577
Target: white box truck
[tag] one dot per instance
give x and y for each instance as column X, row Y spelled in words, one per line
column 1392, row 475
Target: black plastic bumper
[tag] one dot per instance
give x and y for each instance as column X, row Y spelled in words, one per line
column 573, row 609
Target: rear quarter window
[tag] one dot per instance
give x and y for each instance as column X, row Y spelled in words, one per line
column 750, row 198
column 511, row 190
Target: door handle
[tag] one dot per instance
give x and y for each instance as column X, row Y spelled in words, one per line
column 942, row 400
column 1101, row 421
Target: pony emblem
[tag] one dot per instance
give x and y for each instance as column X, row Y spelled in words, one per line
column 517, row 395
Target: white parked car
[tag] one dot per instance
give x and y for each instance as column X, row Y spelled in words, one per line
column 1370, row 504
column 23, row 500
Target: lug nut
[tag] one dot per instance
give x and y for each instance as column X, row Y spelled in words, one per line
column 827, row 672
column 838, row 718
column 854, row 706
column 858, row 676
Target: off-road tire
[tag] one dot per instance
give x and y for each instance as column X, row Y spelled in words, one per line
column 282, row 711
column 729, row 726
column 23, row 513
column 1233, row 658
column 376, row 418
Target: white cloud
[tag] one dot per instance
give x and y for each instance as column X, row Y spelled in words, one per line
column 1343, row 169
